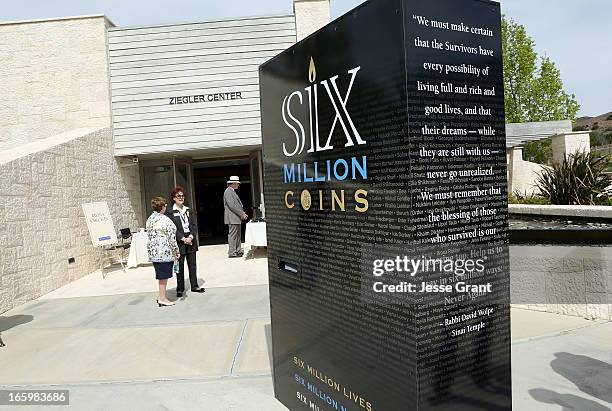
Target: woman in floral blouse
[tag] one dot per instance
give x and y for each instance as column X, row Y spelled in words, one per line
column 163, row 249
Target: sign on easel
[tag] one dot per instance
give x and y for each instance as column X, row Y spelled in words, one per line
column 100, row 224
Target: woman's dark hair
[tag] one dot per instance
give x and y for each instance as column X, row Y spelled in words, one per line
column 158, row 203
column 175, row 191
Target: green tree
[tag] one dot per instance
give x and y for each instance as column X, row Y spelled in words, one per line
column 538, row 151
column 532, row 93
column 519, row 60
column 551, row 101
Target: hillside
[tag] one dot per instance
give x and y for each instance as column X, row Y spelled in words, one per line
column 601, row 123
column 600, row 126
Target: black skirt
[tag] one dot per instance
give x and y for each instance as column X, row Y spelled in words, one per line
column 163, row 271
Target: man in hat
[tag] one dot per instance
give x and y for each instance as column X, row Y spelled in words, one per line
column 234, row 215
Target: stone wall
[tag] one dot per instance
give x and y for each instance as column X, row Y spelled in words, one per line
column 310, row 16
column 54, row 77
column 522, row 175
column 41, row 193
column 570, row 280
column 565, row 144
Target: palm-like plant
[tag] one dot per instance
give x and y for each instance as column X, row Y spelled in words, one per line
column 578, row 180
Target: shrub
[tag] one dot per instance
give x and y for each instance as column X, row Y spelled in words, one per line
column 538, row 151
column 580, row 128
column 518, row 198
column 599, row 138
column 578, row 180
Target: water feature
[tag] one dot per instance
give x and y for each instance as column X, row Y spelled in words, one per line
column 531, row 229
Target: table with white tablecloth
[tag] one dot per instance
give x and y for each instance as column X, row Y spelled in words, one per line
column 255, row 236
column 138, row 250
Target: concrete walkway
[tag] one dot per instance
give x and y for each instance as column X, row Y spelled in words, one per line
column 214, row 270
column 208, row 352
column 114, row 349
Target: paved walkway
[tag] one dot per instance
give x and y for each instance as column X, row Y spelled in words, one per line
column 114, row 349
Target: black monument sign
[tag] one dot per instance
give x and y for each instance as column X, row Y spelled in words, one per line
column 385, row 189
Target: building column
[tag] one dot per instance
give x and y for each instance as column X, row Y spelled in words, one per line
column 514, row 156
column 570, row 143
column 310, row 16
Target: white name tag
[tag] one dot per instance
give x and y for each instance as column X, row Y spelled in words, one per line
column 177, row 215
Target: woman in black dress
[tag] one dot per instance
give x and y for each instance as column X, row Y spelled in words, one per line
column 187, row 239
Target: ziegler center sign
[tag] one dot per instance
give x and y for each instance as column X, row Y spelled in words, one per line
column 206, row 98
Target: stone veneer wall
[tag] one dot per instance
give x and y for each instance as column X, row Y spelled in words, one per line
column 570, row 280
column 54, row 78
column 42, row 220
column 310, row 16
column 522, row 175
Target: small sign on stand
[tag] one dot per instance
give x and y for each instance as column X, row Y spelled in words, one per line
column 101, row 230
column 100, row 224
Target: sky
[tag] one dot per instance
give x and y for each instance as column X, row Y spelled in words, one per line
column 575, row 34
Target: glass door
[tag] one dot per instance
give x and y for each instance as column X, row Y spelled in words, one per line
column 159, row 177
column 183, row 177
column 157, row 181
column 256, row 180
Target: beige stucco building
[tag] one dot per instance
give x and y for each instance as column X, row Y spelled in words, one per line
column 54, row 76
column 523, row 175
column 88, row 116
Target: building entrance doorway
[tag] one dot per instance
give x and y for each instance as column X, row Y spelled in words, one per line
column 204, row 182
column 210, row 181
column 159, row 177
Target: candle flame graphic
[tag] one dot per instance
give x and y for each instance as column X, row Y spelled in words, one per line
column 312, row 71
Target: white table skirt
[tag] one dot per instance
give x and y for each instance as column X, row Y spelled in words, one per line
column 255, row 236
column 138, row 250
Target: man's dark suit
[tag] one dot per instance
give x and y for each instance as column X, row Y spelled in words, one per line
column 188, row 252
